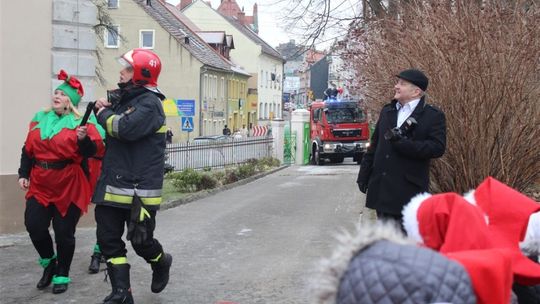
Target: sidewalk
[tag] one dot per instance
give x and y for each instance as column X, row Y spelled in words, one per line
column 21, row 272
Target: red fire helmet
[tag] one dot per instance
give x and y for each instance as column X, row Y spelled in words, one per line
column 146, row 66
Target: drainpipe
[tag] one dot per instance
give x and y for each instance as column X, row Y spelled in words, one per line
column 201, row 82
column 227, row 105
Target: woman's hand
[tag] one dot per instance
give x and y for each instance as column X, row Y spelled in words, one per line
column 24, row 183
column 82, row 132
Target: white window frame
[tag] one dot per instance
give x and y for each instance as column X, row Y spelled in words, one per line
column 114, row 7
column 153, row 39
column 106, row 36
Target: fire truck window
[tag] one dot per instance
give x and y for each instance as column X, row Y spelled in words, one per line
column 345, row 115
column 316, row 115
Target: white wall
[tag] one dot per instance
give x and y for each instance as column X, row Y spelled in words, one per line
column 270, row 92
column 25, row 76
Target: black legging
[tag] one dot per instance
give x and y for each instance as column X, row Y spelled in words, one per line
column 37, row 219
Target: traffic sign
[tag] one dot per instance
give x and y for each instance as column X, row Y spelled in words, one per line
column 186, row 107
column 187, row 123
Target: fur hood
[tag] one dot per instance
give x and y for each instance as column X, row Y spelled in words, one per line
column 326, row 281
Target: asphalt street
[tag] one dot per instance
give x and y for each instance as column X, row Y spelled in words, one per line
column 256, row 243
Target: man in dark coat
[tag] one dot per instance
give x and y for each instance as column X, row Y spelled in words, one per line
column 408, row 134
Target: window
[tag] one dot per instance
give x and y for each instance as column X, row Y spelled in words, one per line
column 112, row 3
column 215, row 87
column 111, row 37
column 222, row 88
column 146, row 39
column 205, row 87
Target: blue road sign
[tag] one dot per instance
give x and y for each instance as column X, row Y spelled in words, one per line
column 187, row 123
column 185, row 107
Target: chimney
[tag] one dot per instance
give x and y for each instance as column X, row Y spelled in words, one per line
column 255, row 18
column 241, row 17
column 183, row 4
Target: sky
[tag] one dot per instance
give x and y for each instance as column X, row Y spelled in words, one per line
column 269, row 28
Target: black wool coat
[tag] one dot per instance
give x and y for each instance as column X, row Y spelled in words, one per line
column 394, row 172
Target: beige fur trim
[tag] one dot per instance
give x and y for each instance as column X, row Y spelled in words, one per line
column 469, row 197
column 325, row 283
column 531, row 244
column 410, row 219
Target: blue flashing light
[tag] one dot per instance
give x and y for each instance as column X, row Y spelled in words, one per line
column 333, row 99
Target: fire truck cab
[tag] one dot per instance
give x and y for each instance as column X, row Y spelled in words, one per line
column 339, row 129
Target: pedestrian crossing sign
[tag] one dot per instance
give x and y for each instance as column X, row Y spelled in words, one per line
column 187, row 123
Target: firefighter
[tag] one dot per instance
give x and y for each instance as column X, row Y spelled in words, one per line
column 130, row 185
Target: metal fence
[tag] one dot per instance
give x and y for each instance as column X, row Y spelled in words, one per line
column 217, row 153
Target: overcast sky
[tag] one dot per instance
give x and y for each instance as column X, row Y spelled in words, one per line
column 269, row 29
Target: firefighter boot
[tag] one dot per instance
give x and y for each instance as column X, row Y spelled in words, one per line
column 160, row 272
column 49, row 269
column 121, row 290
column 95, row 262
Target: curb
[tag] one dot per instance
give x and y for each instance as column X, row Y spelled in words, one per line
column 206, row 193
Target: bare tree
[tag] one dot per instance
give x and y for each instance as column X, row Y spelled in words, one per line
column 482, row 61
column 104, row 24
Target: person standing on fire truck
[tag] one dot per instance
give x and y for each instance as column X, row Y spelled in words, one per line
column 130, row 185
column 408, row 134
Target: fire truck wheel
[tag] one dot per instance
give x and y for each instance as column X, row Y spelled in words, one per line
column 316, row 157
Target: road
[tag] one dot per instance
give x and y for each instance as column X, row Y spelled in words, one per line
column 256, row 243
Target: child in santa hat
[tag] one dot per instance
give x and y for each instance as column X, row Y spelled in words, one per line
column 448, row 223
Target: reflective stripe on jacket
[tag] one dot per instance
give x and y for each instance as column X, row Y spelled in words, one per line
column 135, row 150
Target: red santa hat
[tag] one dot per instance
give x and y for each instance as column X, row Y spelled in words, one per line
column 446, row 223
column 490, row 271
column 514, row 222
column 449, row 224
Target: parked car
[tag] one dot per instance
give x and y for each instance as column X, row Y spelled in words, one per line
column 210, row 138
column 168, row 167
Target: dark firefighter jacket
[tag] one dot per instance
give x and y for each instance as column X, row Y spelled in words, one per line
column 395, row 171
column 135, row 149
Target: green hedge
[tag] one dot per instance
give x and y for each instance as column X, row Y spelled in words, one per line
column 191, row 180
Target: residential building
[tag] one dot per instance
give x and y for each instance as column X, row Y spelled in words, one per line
column 294, row 55
column 305, row 94
column 192, row 72
column 262, row 61
column 38, row 39
column 230, row 8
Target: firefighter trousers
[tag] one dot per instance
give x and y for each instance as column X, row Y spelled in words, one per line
column 111, row 222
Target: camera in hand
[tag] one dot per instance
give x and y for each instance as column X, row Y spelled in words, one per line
column 396, row 133
column 113, row 96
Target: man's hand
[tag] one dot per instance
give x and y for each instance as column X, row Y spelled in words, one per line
column 362, row 187
column 101, row 103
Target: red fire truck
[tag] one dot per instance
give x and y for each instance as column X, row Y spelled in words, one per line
column 339, row 129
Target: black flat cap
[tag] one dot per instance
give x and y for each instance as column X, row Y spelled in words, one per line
column 415, row 77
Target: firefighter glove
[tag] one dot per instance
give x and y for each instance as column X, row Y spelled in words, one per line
column 138, row 223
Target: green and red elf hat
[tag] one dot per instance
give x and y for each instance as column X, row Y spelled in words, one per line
column 72, row 87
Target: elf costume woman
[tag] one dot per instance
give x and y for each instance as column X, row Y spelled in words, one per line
column 55, row 172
